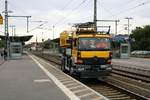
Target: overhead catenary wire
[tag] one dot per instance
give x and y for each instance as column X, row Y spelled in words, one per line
column 18, row 7
column 67, row 5
column 126, row 10
column 64, row 7
column 1, row 5
column 108, row 11
column 38, row 26
column 130, row 9
column 24, row 12
column 69, row 14
column 129, row 2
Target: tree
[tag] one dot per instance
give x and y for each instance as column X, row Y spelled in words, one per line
column 141, row 37
column 47, row 44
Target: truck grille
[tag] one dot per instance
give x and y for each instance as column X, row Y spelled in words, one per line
column 94, row 61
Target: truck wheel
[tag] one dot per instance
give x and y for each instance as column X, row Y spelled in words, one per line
column 63, row 66
column 70, row 68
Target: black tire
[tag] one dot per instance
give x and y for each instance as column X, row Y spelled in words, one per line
column 70, row 66
column 63, row 66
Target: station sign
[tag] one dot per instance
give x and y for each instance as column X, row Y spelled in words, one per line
column 1, row 19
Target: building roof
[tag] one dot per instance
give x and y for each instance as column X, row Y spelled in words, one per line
column 18, row 38
column 56, row 40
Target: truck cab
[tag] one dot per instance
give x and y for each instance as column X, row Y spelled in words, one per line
column 86, row 54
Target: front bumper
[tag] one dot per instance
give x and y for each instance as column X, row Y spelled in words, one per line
column 94, row 74
column 86, row 71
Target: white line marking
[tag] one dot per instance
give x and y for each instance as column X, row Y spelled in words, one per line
column 68, row 93
column 58, row 75
column 72, row 84
column 82, row 96
column 67, row 82
column 76, row 87
column 61, row 77
column 42, row 80
column 81, row 90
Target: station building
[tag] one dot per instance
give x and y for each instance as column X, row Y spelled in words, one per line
column 16, row 45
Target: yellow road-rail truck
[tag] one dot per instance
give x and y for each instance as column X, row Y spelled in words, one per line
column 86, row 53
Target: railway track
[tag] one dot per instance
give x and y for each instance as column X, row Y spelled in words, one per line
column 120, row 85
column 110, row 91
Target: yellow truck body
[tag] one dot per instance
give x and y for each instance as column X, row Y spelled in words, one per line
column 89, row 63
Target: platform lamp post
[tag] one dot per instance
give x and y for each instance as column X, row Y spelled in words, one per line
column 53, row 39
column 42, row 43
column 129, row 48
column 13, row 31
column 128, row 18
column 36, row 44
column 7, row 40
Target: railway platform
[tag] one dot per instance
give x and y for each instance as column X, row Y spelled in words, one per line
column 1, row 60
column 132, row 62
column 32, row 78
column 138, row 63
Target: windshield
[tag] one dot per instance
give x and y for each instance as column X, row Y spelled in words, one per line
column 94, row 44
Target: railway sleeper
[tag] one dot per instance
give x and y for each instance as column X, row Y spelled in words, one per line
column 105, row 92
column 122, row 98
column 116, row 93
column 130, row 87
column 132, row 70
column 100, row 87
column 134, row 76
column 117, row 96
column 131, row 81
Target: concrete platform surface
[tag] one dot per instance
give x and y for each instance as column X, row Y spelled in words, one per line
column 140, row 63
column 23, row 80
column 32, row 78
column 1, row 60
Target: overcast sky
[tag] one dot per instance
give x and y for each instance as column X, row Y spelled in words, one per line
column 62, row 13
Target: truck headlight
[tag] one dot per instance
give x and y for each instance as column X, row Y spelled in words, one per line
column 109, row 68
column 80, row 69
column 79, row 61
column 104, row 66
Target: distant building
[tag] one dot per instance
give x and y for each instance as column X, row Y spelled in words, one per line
column 21, row 39
column 35, row 45
column 121, row 38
